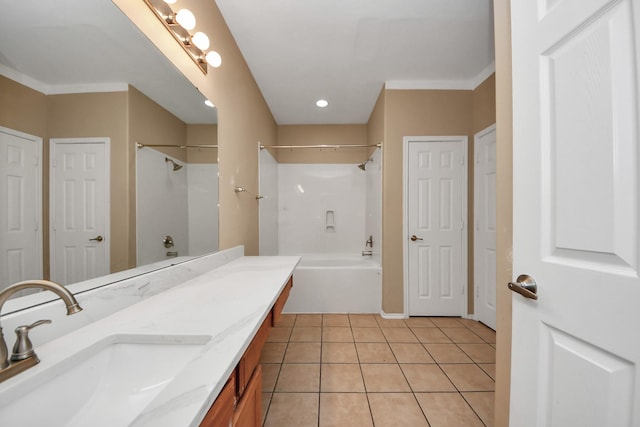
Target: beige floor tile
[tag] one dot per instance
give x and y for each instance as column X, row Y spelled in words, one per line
column 419, row 322
column 299, row 377
column 462, row 335
column 308, row 320
column 302, row 352
column 447, row 410
column 270, row 373
column 266, row 400
column 384, row 378
column 468, row 377
column 447, row 353
column 396, row 410
column 335, row 320
column 339, row 352
column 489, row 368
column 287, row 320
column 345, row 378
column 279, row 334
column 470, row 323
column 489, row 335
column 390, row 323
column 363, row 320
column 344, row 410
column 430, row 335
column 410, row 353
column 293, row 410
column 482, row 403
column 423, row 378
column 480, row 353
column 306, row 334
column 399, row 335
column 447, row 322
column 368, row 334
column 336, row 334
column 273, row 352
column 375, row 353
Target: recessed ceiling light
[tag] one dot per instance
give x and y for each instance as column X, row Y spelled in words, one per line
column 322, row 103
column 209, row 103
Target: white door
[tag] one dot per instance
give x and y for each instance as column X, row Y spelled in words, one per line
column 576, row 349
column 20, row 207
column 79, row 209
column 436, row 231
column 484, row 272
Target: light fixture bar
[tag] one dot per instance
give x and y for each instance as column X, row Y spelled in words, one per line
column 166, row 15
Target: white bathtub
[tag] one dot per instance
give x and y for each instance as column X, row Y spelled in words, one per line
column 336, row 283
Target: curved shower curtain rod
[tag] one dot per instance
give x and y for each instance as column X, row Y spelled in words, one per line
column 139, row 145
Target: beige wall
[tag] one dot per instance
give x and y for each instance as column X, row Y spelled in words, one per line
column 22, row 108
column 504, row 237
column 411, row 113
column 97, row 115
column 322, row 135
column 202, row 135
column 244, row 119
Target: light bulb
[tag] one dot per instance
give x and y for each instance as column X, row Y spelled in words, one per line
column 214, row 59
column 209, row 103
column 322, row 103
column 170, row 1
column 186, row 19
column 201, row 40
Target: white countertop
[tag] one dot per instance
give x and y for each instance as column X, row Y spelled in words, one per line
column 228, row 304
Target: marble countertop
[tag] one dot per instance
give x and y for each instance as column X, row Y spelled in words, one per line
column 227, row 304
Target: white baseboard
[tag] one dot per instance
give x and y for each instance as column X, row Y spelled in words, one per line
column 393, row 315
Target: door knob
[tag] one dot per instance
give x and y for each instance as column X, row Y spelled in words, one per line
column 526, row 286
column 96, row 239
column 414, row 238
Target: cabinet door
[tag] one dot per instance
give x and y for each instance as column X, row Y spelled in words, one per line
column 221, row 412
column 249, row 410
column 252, row 356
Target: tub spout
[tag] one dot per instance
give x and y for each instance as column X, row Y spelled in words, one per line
column 367, row 253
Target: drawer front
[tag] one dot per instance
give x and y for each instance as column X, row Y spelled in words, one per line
column 249, row 410
column 252, row 356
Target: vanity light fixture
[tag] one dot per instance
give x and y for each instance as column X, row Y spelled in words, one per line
column 180, row 24
column 322, row 103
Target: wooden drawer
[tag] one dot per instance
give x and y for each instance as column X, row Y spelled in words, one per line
column 281, row 301
column 252, row 356
column 249, row 410
column 221, row 412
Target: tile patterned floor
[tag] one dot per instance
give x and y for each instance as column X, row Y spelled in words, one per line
column 363, row 370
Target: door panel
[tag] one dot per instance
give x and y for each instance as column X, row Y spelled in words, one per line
column 80, row 214
column 576, row 213
column 436, row 195
column 20, row 212
column 485, row 227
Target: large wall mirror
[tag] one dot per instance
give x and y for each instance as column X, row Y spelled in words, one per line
column 94, row 121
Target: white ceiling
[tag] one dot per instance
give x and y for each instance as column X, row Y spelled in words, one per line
column 70, row 46
column 345, row 51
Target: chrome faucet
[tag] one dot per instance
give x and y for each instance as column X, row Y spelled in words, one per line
column 23, row 356
column 369, row 242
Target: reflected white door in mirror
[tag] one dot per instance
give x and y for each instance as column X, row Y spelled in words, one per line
column 21, row 199
column 79, row 209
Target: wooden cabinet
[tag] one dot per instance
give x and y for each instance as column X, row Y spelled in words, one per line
column 281, row 301
column 239, row 404
column 249, row 410
column 221, row 412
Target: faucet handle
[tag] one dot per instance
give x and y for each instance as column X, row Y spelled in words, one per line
column 23, row 348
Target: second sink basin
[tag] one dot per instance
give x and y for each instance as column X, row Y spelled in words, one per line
column 107, row 383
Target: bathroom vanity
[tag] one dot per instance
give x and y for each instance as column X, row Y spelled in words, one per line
column 187, row 356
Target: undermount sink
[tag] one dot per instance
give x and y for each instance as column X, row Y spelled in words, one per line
column 107, row 383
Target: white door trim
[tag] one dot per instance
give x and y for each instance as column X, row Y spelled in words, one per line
column 38, row 214
column 107, row 193
column 462, row 139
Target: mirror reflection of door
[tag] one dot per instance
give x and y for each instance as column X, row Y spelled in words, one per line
column 21, row 208
column 79, row 209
